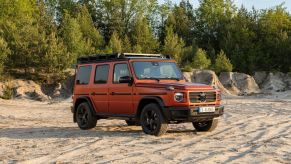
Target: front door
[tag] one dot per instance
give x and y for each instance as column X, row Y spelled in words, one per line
column 120, row 94
column 99, row 91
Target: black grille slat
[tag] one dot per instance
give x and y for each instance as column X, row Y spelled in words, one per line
column 195, row 97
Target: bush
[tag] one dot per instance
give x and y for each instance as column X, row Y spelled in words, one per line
column 4, row 52
column 222, row 63
column 200, row 60
column 8, row 93
column 187, row 68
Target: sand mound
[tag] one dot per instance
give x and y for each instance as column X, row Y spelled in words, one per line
column 59, row 90
column 205, row 77
column 288, row 81
column 239, row 83
column 273, row 82
column 260, row 77
column 1, row 89
column 27, row 89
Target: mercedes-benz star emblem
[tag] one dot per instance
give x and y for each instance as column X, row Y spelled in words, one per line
column 202, row 97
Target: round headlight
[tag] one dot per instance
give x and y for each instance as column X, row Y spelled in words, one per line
column 179, row 97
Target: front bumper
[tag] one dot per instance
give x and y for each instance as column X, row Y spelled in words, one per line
column 191, row 114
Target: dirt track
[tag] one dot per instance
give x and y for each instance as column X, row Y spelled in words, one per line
column 251, row 131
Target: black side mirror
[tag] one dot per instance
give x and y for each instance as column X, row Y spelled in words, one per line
column 126, row 79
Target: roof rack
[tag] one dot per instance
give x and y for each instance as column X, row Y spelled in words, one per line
column 116, row 56
column 141, row 55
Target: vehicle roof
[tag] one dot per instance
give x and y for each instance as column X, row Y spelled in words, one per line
column 105, row 58
column 129, row 59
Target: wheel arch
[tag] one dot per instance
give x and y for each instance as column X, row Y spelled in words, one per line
column 147, row 100
column 80, row 100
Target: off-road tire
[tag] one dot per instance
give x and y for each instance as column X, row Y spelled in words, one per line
column 84, row 116
column 152, row 120
column 206, row 126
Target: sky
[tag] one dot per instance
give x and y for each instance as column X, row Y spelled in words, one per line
column 258, row 4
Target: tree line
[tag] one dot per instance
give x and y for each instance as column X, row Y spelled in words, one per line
column 47, row 36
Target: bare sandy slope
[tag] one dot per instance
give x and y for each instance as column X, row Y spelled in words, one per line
column 252, row 130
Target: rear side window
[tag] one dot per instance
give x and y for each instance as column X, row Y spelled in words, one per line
column 101, row 74
column 83, row 75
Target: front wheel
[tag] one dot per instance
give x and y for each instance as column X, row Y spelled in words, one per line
column 205, row 126
column 84, row 117
column 152, row 120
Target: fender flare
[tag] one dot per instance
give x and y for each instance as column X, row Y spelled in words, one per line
column 157, row 99
column 78, row 101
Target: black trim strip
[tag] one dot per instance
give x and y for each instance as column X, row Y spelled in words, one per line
column 153, row 93
column 98, row 93
column 120, row 93
column 113, row 115
column 146, row 86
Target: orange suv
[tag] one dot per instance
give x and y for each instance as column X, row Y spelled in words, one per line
column 143, row 89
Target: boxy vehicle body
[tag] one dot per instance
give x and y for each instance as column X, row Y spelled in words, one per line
column 143, row 89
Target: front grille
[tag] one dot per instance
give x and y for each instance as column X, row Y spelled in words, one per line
column 202, row 97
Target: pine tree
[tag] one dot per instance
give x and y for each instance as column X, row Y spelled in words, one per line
column 222, row 63
column 126, row 44
column 115, row 43
column 56, row 58
column 200, row 60
column 212, row 21
column 143, row 38
column 182, row 20
column 21, row 32
column 4, row 52
column 137, row 48
column 92, row 36
column 73, row 37
column 173, row 45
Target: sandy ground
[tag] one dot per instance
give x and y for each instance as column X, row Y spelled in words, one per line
column 253, row 130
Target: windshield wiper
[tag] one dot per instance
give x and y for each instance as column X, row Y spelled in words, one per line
column 153, row 78
column 174, row 78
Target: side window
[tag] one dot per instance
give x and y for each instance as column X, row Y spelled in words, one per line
column 120, row 70
column 83, row 75
column 101, row 74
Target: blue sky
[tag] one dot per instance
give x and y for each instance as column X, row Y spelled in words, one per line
column 258, row 4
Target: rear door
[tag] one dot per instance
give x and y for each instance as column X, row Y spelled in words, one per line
column 82, row 83
column 99, row 90
column 120, row 98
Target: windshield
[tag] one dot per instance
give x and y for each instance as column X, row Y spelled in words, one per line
column 157, row 70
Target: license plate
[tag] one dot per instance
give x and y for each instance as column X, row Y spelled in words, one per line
column 206, row 109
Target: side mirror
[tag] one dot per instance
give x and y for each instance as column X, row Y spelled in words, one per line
column 126, row 79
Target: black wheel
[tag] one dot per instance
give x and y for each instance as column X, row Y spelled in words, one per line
column 84, row 117
column 205, row 126
column 152, row 120
column 131, row 123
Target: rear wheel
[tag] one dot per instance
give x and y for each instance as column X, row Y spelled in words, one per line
column 205, row 126
column 84, row 117
column 152, row 120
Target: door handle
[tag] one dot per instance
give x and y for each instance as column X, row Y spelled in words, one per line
column 93, row 94
column 98, row 93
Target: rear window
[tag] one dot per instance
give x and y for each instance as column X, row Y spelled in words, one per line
column 101, row 74
column 83, row 75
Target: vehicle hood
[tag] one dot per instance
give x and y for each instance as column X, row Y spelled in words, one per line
column 178, row 85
